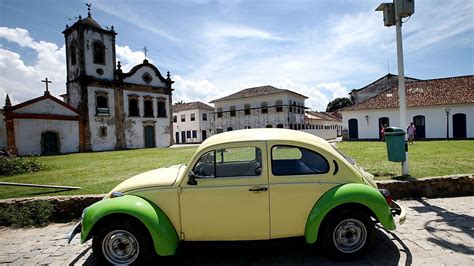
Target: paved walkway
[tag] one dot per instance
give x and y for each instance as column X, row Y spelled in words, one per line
column 437, row 231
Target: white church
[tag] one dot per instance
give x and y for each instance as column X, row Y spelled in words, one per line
column 103, row 107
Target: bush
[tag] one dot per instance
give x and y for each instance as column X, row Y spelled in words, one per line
column 12, row 165
column 28, row 214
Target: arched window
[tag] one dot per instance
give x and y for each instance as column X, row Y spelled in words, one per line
column 264, row 106
column 161, row 109
column 72, row 52
column 102, row 103
column 148, row 108
column 279, row 106
column 98, row 49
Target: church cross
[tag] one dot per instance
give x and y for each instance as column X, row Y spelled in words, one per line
column 88, row 9
column 145, row 50
column 46, row 81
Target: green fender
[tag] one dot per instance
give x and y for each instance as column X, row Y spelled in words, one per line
column 348, row 193
column 160, row 227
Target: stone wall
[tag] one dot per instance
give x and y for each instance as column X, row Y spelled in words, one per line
column 67, row 208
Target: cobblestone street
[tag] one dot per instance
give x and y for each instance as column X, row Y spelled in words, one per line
column 437, row 231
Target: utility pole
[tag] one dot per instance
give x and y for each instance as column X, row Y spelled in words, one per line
column 393, row 14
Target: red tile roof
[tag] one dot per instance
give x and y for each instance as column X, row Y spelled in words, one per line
column 443, row 91
column 190, row 106
column 256, row 91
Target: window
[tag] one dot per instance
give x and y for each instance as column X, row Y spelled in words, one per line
column 230, row 162
column 291, row 160
column 279, row 106
column 99, row 52
column 175, row 118
column 102, row 104
column 269, row 126
column 219, row 112
column 103, row 132
column 183, row 118
column 146, row 77
column 264, row 106
column 204, row 117
column 73, row 51
column 133, row 107
column 148, row 108
column 232, row 110
column 229, row 129
column 219, row 130
column 280, row 126
column 188, row 134
column 162, row 108
column 195, row 134
column 247, row 109
column 193, row 117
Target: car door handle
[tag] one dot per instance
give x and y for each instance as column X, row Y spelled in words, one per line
column 258, row 189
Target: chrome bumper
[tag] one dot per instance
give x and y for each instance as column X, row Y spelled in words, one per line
column 398, row 210
column 75, row 230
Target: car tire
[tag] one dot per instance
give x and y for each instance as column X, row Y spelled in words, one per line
column 347, row 234
column 123, row 242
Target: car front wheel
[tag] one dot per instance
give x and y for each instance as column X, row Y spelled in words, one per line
column 122, row 242
column 348, row 233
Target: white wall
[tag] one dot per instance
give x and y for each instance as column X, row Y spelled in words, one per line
column 91, row 68
column 108, row 142
column 435, row 120
column 134, row 126
column 198, row 124
column 28, row 135
column 256, row 119
column 137, row 77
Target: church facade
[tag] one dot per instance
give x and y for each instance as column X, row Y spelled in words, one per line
column 115, row 109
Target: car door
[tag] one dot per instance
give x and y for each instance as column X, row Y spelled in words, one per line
column 230, row 200
column 298, row 177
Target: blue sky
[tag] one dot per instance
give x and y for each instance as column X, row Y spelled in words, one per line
column 322, row 49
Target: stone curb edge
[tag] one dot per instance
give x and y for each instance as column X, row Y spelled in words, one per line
column 68, row 208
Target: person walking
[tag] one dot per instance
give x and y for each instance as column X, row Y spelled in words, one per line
column 411, row 130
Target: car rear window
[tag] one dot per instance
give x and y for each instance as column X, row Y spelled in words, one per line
column 292, row 160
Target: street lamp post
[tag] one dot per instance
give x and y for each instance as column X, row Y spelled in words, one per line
column 447, row 110
column 393, row 14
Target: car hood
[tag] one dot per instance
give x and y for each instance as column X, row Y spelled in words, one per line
column 160, row 177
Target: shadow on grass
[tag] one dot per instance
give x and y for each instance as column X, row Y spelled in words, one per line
column 290, row 251
column 460, row 224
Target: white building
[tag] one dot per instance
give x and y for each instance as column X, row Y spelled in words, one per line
column 435, row 106
column 192, row 122
column 323, row 124
column 44, row 125
column 259, row 107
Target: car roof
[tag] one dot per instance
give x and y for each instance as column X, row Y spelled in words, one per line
column 264, row 134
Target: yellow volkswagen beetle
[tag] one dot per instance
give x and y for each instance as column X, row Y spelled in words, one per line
column 242, row 185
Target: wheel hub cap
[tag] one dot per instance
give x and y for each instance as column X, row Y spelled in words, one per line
column 349, row 236
column 120, row 247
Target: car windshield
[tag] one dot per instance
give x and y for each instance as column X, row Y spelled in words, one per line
column 349, row 159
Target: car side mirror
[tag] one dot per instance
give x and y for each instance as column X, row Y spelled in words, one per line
column 192, row 179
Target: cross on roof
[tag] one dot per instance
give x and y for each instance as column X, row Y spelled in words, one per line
column 88, row 9
column 145, row 50
column 46, row 81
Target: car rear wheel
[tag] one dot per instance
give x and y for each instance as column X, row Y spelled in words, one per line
column 122, row 242
column 348, row 233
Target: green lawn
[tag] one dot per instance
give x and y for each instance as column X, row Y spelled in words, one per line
column 98, row 172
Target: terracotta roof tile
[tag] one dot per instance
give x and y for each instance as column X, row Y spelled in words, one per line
column 190, row 106
column 255, row 91
column 443, row 91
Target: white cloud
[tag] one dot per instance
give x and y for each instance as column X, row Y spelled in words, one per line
column 190, row 91
column 220, row 30
column 129, row 58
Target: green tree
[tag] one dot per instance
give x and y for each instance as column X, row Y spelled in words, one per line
column 338, row 103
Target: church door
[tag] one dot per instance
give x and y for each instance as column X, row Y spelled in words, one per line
column 177, row 137
column 49, row 143
column 459, row 126
column 204, row 135
column 353, row 129
column 419, row 122
column 150, row 137
column 383, row 121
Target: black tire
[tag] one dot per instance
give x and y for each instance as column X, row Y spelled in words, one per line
column 124, row 241
column 347, row 234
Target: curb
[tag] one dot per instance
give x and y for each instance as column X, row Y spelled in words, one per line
column 68, row 208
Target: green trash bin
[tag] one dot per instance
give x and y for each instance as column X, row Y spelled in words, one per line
column 395, row 139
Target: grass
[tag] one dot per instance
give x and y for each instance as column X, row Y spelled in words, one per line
column 98, row 172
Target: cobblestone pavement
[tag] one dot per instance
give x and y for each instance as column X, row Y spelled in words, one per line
column 437, row 231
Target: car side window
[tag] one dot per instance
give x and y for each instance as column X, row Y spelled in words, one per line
column 229, row 162
column 292, row 160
